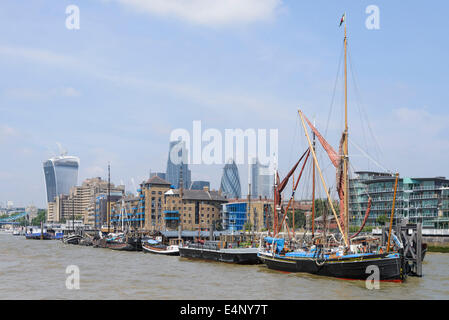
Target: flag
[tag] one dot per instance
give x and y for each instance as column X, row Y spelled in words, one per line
column 343, row 19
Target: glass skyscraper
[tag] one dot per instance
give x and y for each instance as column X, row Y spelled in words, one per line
column 177, row 159
column 230, row 181
column 262, row 179
column 199, row 185
column 61, row 174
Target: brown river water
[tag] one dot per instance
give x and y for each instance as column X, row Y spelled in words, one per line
column 34, row 269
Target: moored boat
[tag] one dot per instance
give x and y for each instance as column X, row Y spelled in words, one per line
column 348, row 257
column 211, row 250
column 156, row 247
column 119, row 242
column 72, row 238
column 335, row 263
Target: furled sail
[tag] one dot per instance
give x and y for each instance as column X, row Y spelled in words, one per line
column 368, row 210
column 284, row 182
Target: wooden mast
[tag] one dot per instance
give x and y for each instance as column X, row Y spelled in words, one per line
column 313, row 191
column 322, row 180
column 392, row 211
column 108, row 209
column 345, row 147
column 293, row 210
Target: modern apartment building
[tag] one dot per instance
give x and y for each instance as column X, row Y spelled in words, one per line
column 424, row 200
column 259, row 214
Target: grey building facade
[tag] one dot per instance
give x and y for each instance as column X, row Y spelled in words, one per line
column 177, row 163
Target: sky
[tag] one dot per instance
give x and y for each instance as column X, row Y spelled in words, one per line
column 135, row 70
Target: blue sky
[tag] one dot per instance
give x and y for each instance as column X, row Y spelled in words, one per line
column 135, row 70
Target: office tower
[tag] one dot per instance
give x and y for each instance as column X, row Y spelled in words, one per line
column 230, row 181
column 161, row 175
column 177, row 159
column 61, row 174
column 199, row 185
column 262, row 178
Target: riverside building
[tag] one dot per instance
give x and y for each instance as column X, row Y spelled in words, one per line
column 424, row 200
column 83, row 202
column 160, row 207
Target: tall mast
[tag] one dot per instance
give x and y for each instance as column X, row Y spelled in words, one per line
column 345, row 147
column 108, row 209
column 313, row 191
column 293, row 206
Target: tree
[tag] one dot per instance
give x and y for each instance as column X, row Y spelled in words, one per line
column 382, row 219
column 41, row 217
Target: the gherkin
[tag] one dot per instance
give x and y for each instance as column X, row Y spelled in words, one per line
column 230, row 181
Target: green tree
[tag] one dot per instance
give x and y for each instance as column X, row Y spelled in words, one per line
column 382, row 219
column 41, row 217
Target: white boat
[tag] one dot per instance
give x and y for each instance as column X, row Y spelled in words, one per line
column 154, row 246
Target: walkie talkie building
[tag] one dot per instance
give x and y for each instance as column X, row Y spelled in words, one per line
column 61, row 174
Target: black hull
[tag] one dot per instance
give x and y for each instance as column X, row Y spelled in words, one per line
column 72, row 240
column 239, row 257
column 357, row 269
column 121, row 246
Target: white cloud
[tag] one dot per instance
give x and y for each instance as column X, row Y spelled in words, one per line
column 7, row 133
column 39, row 94
column 37, row 55
column 210, row 12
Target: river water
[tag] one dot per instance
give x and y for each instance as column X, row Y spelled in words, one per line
column 34, row 269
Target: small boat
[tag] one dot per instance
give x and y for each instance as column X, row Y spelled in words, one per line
column 211, row 250
column 119, row 242
column 155, row 246
column 18, row 232
column 38, row 236
column 72, row 238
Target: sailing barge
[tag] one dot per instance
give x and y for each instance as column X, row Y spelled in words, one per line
column 344, row 258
